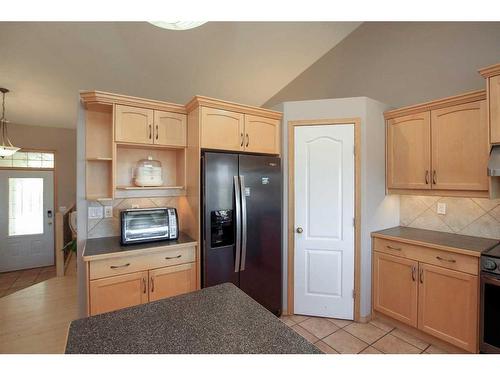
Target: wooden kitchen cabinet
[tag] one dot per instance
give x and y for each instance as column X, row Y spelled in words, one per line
column 118, row 292
column 447, row 306
column 222, row 130
column 408, row 152
column 133, row 124
column 262, row 135
column 395, row 287
column 460, row 147
column 171, row 281
column 169, row 129
column 494, row 107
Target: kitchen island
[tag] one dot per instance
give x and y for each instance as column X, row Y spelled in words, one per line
column 216, row 320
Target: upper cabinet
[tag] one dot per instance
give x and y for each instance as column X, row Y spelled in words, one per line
column 492, row 75
column 408, row 152
column 439, row 148
column 235, row 127
column 221, row 129
column 147, row 126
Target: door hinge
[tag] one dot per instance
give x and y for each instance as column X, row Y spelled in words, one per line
column 354, row 222
column 354, row 150
column 353, row 294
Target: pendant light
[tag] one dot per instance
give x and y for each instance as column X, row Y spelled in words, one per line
column 177, row 25
column 6, row 148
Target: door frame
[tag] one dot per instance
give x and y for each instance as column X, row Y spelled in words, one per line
column 54, row 184
column 356, row 122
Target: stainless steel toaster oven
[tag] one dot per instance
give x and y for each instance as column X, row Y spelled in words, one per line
column 149, row 224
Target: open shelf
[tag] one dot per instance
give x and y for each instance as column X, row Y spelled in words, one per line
column 99, row 159
column 148, row 187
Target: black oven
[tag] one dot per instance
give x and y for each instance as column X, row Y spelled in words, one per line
column 490, row 303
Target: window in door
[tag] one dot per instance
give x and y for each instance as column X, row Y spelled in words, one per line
column 25, row 206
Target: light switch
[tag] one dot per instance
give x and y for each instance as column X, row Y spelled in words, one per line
column 441, row 208
column 95, row 212
column 108, row 211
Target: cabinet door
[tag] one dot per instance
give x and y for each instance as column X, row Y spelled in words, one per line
column 118, row 292
column 171, row 281
column 170, row 129
column 262, row 135
column 460, row 147
column 221, row 130
column 395, row 287
column 448, row 305
column 408, row 152
column 133, row 124
column 494, row 108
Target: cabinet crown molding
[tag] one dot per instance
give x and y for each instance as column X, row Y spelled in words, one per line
column 467, row 97
column 490, row 71
column 93, row 97
column 205, row 101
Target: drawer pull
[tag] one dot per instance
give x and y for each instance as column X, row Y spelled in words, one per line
column 152, row 284
column 176, row 257
column 394, row 248
column 446, row 260
column 413, row 273
column 122, row 266
column 421, row 276
column 144, row 284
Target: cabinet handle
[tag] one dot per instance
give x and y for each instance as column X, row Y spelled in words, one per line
column 176, row 257
column 421, row 276
column 242, row 139
column 152, row 284
column 427, row 177
column 394, row 248
column 122, row 266
column 156, row 135
column 150, row 131
column 434, row 177
column 144, row 284
column 413, row 273
column 248, row 141
column 446, row 260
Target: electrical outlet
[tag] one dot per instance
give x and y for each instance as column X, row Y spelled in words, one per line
column 95, row 212
column 441, row 208
column 108, row 211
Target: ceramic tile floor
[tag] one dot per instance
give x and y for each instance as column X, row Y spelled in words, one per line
column 335, row 336
column 11, row 282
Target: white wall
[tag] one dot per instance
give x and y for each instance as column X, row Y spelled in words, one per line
column 377, row 211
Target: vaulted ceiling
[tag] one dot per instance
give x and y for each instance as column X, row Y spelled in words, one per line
column 46, row 64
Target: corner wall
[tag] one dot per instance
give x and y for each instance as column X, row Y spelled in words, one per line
column 377, row 210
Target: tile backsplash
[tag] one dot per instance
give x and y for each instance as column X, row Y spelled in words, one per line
column 470, row 216
column 109, row 227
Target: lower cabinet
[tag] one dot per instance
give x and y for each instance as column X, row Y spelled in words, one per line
column 447, row 305
column 171, row 281
column 437, row 300
column 395, row 287
column 118, row 292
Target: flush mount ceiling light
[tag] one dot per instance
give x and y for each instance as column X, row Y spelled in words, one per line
column 177, row 25
column 6, row 148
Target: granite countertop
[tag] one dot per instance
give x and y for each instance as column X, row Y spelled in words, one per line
column 446, row 241
column 219, row 319
column 107, row 247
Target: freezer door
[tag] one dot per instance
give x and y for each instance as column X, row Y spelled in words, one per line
column 260, row 270
column 219, row 257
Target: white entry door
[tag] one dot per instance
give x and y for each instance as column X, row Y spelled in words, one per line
column 324, row 221
column 26, row 219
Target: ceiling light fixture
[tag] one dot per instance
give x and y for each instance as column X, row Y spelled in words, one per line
column 6, row 148
column 177, row 25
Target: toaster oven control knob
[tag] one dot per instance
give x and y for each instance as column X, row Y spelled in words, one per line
column 489, row 265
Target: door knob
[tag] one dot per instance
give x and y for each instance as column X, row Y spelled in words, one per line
column 300, row 230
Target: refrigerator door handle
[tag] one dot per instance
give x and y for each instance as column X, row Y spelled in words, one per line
column 243, row 224
column 237, row 198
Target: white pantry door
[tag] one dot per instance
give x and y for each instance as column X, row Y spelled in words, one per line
column 26, row 219
column 324, row 221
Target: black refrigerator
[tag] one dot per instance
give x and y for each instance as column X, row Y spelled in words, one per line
column 241, row 224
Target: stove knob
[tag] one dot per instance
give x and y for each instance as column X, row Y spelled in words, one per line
column 489, row 265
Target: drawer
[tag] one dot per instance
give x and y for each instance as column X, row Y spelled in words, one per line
column 442, row 258
column 140, row 262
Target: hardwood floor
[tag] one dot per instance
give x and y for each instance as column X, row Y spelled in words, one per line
column 36, row 319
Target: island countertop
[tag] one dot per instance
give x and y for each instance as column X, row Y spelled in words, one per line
column 109, row 247
column 452, row 242
column 220, row 319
